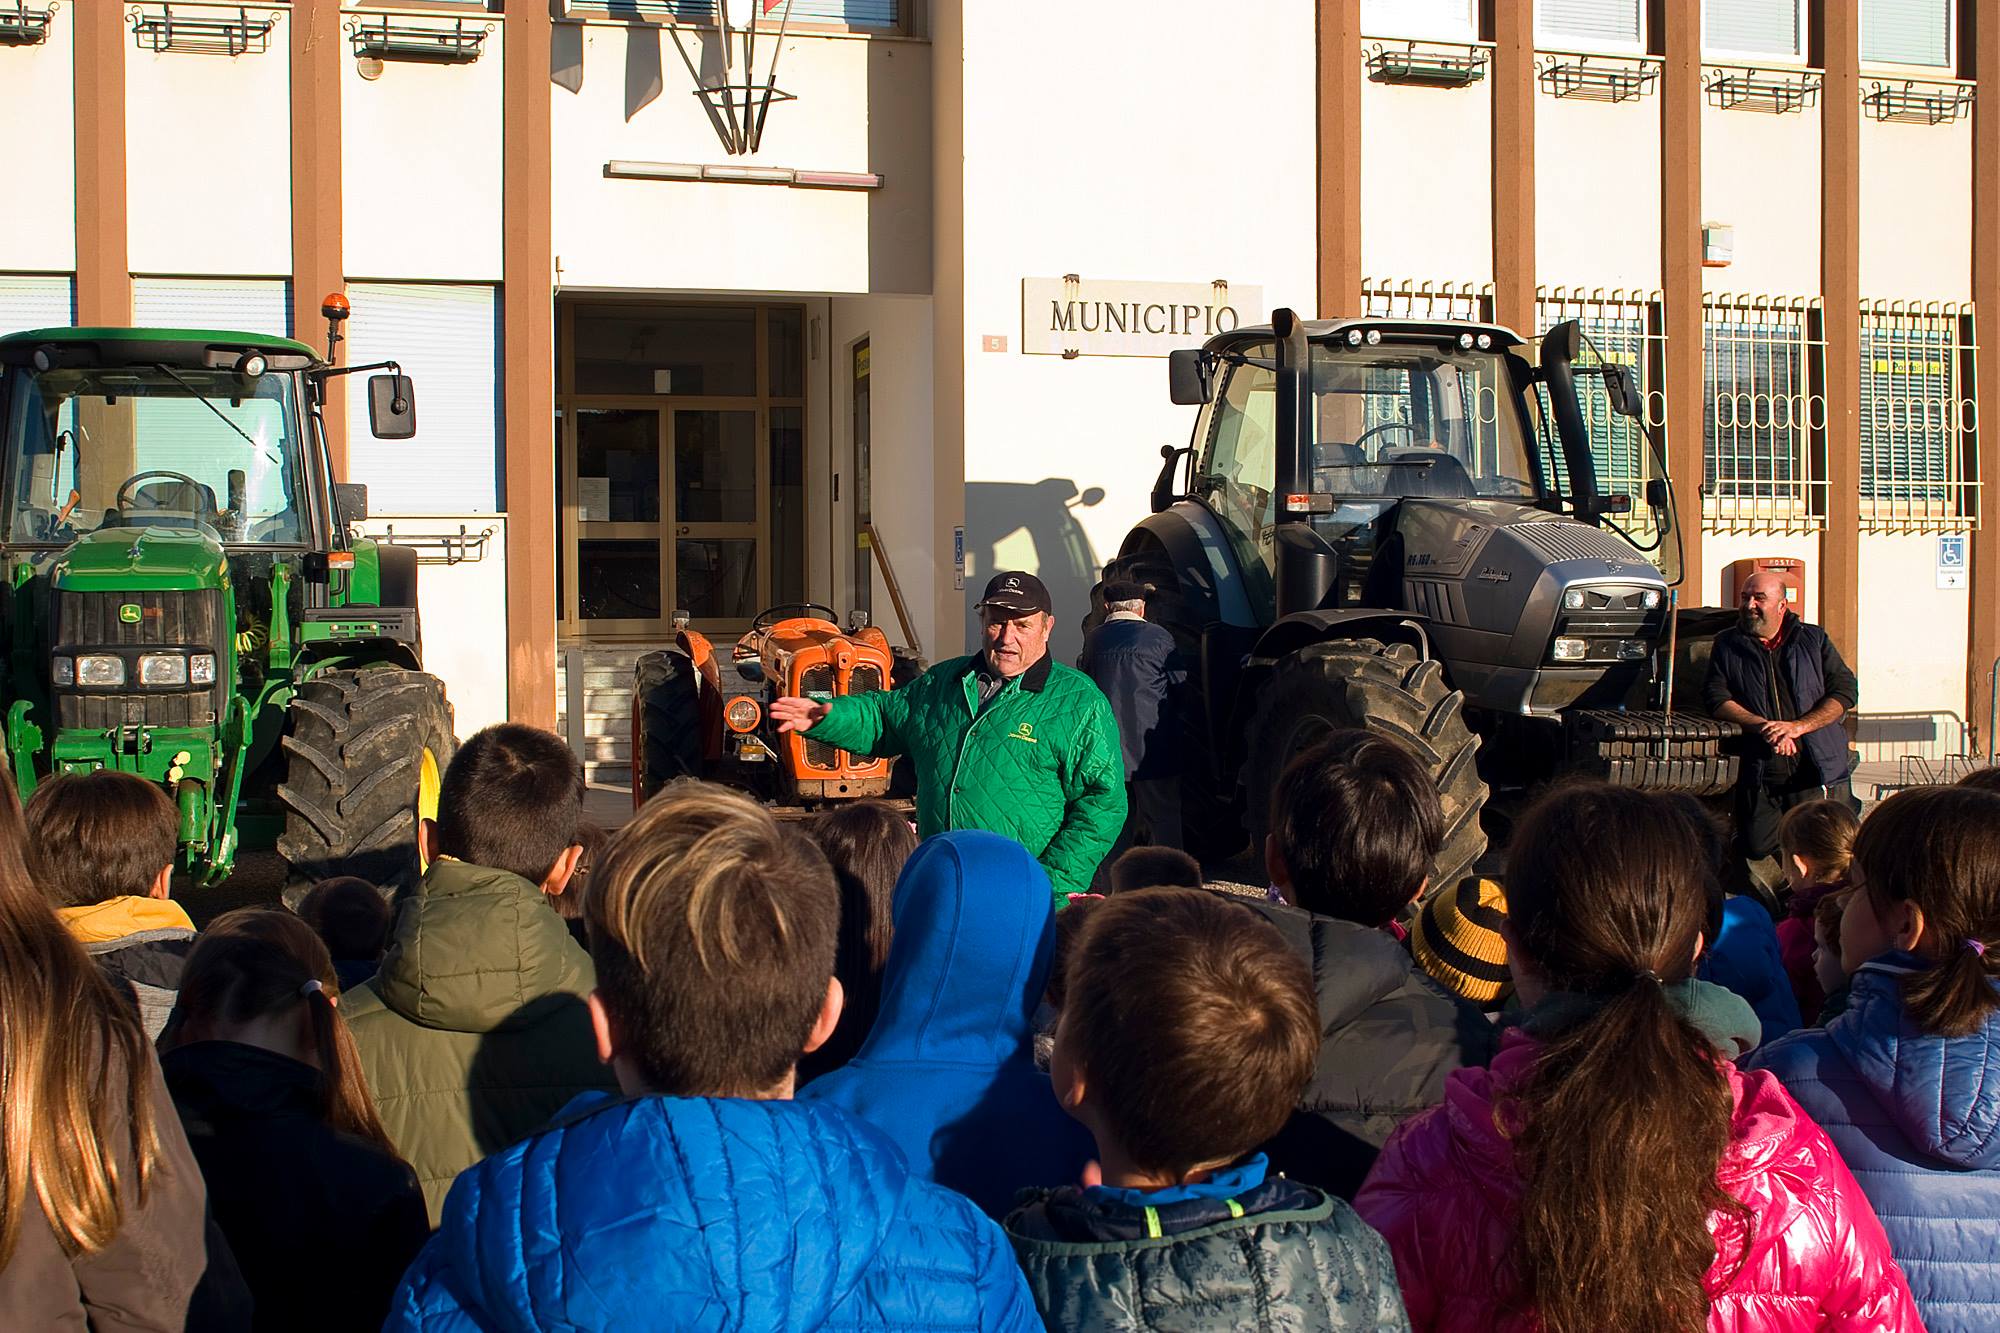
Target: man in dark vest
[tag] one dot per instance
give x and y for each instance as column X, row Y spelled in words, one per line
column 1785, row 682
column 1140, row 671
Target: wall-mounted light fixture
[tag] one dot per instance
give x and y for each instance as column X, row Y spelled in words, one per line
column 1718, row 244
column 725, row 173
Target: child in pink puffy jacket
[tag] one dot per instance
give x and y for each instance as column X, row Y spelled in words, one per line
column 1613, row 1169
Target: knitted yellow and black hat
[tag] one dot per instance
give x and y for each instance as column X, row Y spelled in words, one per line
column 1457, row 940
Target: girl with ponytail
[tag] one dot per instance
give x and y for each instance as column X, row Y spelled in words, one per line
column 100, row 1202
column 1613, row 1169
column 322, row 1214
column 1907, row 1079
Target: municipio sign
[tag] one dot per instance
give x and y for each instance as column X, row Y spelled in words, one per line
column 1094, row 317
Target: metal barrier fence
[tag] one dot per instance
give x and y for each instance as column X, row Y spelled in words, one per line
column 1919, row 417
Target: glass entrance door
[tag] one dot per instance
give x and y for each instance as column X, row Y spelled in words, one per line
column 719, row 490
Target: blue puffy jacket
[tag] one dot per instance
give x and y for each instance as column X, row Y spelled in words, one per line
column 1918, row 1119
column 698, row 1213
column 1745, row 959
column 948, row 1070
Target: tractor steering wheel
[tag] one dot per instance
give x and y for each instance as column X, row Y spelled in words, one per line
column 1373, row 431
column 125, row 499
column 772, row 615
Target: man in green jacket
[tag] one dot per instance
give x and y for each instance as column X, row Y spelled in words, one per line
column 1007, row 740
column 475, row 1031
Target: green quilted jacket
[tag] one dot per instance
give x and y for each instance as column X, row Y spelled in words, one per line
column 1040, row 763
column 474, row 1032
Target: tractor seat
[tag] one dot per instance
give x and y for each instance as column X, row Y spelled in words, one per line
column 1427, row 472
column 1340, row 468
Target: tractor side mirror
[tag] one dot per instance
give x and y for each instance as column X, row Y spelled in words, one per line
column 1658, row 497
column 1622, row 386
column 350, row 503
column 1187, row 377
column 392, row 407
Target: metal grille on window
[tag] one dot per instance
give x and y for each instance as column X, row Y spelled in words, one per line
column 1763, row 413
column 1408, row 298
column 1629, row 328
column 1919, row 417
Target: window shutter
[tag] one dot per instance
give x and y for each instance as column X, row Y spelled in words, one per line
column 1753, row 28
column 1906, row 32
column 36, row 301
column 1589, row 23
column 1423, row 20
column 859, row 13
column 447, row 339
column 240, row 305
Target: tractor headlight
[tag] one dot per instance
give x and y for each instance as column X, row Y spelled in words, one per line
column 1570, row 650
column 1633, row 650
column 1573, row 600
column 742, row 714
column 62, row 671
column 201, row 669
column 100, row 669
column 1650, row 598
column 163, row 669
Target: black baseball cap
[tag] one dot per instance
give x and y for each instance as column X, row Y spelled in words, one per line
column 1017, row 594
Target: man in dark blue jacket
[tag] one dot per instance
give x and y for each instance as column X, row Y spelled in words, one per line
column 1785, row 683
column 1140, row 672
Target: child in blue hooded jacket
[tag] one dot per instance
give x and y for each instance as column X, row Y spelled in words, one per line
column 1906, row 1081
column 704, row 1197
column 948, row 1071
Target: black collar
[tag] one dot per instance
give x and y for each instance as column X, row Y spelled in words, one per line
column 1032, row 680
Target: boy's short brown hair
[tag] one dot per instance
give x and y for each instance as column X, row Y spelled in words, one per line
column 511, row 800
column 713, row 931
column 94, row 836
column 1154, row 867
column 1194, row 1024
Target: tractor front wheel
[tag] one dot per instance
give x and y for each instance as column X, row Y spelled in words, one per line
column 1385, row 688
column 365, row 752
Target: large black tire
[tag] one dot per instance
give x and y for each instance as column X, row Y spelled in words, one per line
column 354, row 745
column 1385, row 688
column 666, row 721
column 1211, row 814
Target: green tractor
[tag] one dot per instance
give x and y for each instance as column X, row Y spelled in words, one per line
column 184, row 597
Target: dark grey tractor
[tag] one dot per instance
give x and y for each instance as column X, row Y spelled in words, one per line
column 1428, row 529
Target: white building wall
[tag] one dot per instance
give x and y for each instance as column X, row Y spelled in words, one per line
column 1760, row 174
column 463, row 609
column 1597, row 193
column 209, row 153
column 898, row 330
column 1060, row 455
column 1911, row 660
column 1426, row 173
column 1916, row 211
column 420, row 165
column 37, row 99
column 625, row 92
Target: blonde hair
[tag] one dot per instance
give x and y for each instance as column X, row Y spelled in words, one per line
column 713, row 930
column 74, row 1062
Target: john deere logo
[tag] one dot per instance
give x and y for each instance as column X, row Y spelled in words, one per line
column 1025, row 732
column 129, row 613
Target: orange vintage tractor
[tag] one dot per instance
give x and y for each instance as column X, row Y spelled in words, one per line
column 700, row 713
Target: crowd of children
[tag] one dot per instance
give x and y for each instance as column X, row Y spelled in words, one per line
column 715, row 1071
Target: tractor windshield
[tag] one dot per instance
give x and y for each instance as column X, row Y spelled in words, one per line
column 138, row 446
column 1417, row 420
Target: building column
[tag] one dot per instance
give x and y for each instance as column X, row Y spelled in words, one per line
column 1514, row 165
column 316, row 192
column 528, row 369
column 1840, row 291
column 1678, row 26
column 1984, row 638
column 951, row 341
column 103, row 265
column 1338, row 33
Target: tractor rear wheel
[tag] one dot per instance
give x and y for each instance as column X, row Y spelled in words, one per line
column 365, row 754
column 666, row 721
column 1385, row 688
column 1211, row 816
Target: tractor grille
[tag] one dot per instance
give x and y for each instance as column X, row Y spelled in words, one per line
column 862, row 679
column 1562, row 540
column 817, row 680
column 90, row 622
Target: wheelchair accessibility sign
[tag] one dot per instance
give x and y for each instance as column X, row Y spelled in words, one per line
column 1954, row 560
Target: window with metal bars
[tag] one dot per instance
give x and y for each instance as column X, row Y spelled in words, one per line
column 1763, row 413
column 1408, row 298
column 1919, row 417
column 1629, row 330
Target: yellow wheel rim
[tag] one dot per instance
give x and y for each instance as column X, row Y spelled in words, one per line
column 428, row 784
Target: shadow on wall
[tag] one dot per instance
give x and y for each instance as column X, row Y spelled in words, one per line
column 645, row 77
column 1032, row 526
